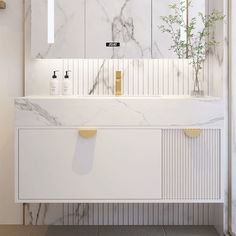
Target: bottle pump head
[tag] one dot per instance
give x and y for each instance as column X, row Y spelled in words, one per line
column 67, row 74
column 54, row 74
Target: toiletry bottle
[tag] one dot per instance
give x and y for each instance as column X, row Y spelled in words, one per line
column 67, row 84
column 54, row 84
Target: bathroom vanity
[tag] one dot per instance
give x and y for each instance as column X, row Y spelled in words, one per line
column 152, row 156
column 111, row 149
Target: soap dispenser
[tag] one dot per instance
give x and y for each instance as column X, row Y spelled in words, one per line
column 54, row 84
column 67, row 84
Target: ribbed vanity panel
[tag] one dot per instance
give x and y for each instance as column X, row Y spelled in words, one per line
column 121, row 214
column 191, row 166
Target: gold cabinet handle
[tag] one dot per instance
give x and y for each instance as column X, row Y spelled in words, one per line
column 3, row 5
column 192, row 133
column 88, row 133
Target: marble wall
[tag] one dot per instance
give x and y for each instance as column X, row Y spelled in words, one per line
column 128, row 22
column 83, row 28
column 69, row 28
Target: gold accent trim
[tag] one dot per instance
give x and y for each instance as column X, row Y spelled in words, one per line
column 192, row 133
column 3, row 5
column 118, row 83
column 88, row 133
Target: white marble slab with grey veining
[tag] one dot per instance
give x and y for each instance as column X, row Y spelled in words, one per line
column 68, row 33
column 127, row 22
column 119, row 112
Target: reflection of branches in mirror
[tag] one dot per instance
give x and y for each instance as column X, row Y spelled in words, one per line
column 197, row 43
column 175, row 25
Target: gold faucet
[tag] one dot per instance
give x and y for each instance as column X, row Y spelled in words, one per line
column 118, row 83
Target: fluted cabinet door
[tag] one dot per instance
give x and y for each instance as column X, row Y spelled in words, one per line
column 125, row 24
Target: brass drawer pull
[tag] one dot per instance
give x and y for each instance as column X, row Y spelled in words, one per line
column 192, row 133
column 87, row 133
column 3, row 5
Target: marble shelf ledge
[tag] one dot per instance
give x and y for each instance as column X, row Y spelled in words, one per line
column 122, row 97
column 119, row 112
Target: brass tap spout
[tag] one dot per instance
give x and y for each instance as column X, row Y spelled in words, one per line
column 118, row 83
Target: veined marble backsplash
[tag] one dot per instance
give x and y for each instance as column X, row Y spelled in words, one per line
column 140, row 77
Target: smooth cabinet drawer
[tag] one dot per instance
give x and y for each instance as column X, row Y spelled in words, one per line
column 115, row 164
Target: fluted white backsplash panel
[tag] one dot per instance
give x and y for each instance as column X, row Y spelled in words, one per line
column 121, row 214
column 191, row 167
column 140, row 77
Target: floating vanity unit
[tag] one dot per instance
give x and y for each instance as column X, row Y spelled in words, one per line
column 111, row 149
column 136, row 133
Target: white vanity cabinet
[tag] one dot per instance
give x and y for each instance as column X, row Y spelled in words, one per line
column 142, row 151
column 116, row 165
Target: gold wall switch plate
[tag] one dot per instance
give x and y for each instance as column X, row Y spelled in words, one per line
column 3, row 5
column 192, row 133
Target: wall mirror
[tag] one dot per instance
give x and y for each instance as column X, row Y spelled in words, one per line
column 103, row 28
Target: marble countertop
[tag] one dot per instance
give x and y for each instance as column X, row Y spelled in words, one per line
column 119, row 112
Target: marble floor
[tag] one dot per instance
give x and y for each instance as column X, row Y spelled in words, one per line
column 106, row 231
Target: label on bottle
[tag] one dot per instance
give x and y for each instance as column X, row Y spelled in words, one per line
column 67, row 88
column 54, row 90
